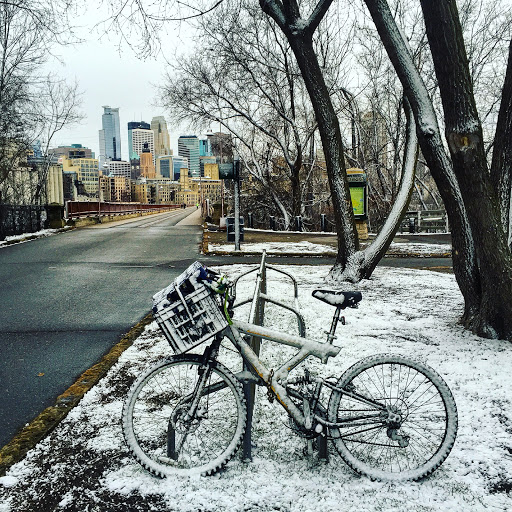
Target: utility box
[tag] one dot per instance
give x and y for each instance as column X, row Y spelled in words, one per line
column 358, row 184
column 230, row 228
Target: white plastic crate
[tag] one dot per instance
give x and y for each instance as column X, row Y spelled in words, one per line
column 187, row 312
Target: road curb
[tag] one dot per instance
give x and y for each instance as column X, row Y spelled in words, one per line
column 322, row 255
column 47, row 420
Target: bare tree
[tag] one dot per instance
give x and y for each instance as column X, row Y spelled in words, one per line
column 482, row 258
column 28, row 32
column 250, row 83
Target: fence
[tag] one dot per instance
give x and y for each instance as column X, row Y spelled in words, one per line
column 19, row 219
column 425, row 221
column 76, row 209
column 256, row 316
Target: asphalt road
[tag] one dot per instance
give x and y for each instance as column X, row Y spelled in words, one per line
column 65, row 300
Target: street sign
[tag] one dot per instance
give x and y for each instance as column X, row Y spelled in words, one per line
column 227, row 171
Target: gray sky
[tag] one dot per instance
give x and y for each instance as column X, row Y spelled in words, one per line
column 117, row 79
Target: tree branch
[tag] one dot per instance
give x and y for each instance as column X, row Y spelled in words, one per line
column 318, row 15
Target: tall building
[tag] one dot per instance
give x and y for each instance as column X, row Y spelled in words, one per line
column 141, row 136
column 133, row 125
column 179, row 163
column 110, row 135
column 161, row 136
column 164, row 166
column 73, row 151
column 205, row 147
column 188, row 147
column 147, row 167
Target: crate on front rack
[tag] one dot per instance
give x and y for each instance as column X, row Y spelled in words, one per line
column 187, row 311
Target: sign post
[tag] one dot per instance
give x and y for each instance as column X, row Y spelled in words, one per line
column 237, row 201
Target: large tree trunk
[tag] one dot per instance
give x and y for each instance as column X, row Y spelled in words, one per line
column 501, row 168
column 299, row 35
column 429, row 137
column 465, row 141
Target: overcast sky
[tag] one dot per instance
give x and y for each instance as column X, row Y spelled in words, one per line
column 117, row 79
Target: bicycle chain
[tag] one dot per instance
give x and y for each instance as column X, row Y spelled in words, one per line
column 270, row 392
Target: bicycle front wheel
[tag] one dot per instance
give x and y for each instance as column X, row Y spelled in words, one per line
column 397, row 419
column 167, row 434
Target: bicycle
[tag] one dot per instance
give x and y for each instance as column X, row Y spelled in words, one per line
column 389, row 417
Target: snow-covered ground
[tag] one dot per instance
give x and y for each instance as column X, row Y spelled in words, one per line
column 307, row 248
column 29, row 236
column 84, row 464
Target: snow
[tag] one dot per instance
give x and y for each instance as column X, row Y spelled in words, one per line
column 84, row 463
column 308, row 248
column 29, row 236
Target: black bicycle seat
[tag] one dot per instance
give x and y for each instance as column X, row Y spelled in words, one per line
column 338, row 298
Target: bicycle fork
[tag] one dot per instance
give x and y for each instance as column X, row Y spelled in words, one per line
column 204, row 372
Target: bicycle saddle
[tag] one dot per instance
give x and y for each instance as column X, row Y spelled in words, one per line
column 338, row 298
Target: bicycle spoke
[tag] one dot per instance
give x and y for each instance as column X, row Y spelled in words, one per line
column 203, row 432
column 411, row 427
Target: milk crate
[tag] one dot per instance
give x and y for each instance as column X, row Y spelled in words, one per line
column 187, row 311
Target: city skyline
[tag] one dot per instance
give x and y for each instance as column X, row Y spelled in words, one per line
column 110, row 73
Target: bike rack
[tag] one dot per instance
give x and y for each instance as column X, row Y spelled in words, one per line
column 256, row 316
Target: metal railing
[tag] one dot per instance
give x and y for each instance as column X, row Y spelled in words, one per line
column 257, row 316
column 76, row 209
column 425, row 221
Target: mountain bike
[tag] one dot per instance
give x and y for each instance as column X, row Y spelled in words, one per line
column 389, row 417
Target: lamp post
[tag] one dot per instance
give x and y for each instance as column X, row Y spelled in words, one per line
column 236, row 163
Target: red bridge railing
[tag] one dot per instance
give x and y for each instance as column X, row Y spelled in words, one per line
column 94, row 208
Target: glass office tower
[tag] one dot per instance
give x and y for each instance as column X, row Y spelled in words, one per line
column 110, row 135
column 188, row 147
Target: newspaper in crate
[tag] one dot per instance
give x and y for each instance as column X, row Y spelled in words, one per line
column 187, row 312
column 163, row 295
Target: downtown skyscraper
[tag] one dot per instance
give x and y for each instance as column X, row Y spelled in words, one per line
column 162, row 139
column 188, row 147
column 110, row 135
column 135, row 125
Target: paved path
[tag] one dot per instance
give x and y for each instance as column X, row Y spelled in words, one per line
column 65, row 300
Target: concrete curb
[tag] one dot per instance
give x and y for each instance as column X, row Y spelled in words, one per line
column 320, row 255
column 206, row 238
column 43, row 424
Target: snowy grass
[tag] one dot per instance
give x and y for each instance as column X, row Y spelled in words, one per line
column 85, row 465
column 305, row 248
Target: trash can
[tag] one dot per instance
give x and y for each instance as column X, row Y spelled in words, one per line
column 230, row 228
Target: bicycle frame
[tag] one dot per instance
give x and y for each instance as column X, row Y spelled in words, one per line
column 276, row 380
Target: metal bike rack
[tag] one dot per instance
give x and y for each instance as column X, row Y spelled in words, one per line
column 257, row 316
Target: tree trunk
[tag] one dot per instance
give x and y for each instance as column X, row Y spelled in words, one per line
column 501, row 168
column 299, row 35
column 466, row 145
column 429, row 137
column 329, row 129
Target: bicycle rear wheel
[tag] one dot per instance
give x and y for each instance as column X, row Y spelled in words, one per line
column 400, row 418
column 162, row 434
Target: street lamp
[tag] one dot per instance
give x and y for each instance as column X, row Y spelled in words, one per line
column 236, row 163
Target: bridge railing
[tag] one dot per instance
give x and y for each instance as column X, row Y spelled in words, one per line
column 76, row 209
